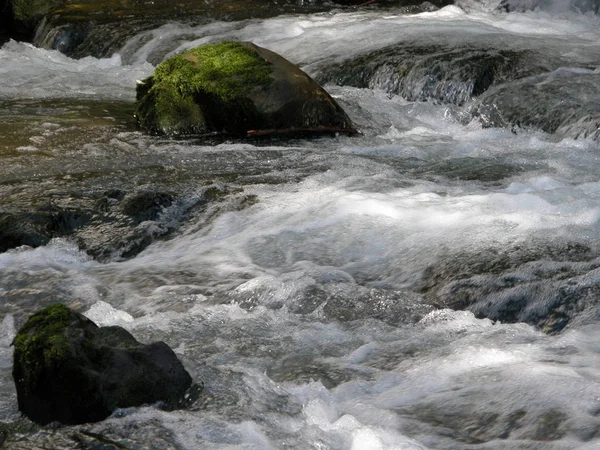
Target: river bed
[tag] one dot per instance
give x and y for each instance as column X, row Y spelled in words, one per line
column 429, row 284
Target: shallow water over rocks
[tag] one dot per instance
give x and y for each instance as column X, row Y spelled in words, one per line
column 432, row 283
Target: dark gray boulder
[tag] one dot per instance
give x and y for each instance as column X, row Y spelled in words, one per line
column 68, row 370
column 235, row 88
column 437, row 71
column 36, row 228
column 565, row 102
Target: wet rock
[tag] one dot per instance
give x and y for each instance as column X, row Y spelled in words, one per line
column 8, row 430
column 40, row 224
column 69, row 37
column 113, row 215
column 110, row 225
column 548, row 286
column 564, row 102
column 146, row 433
column 235, row 88
column 15, row 232
column 68, row 370
column 124, row 224
column 37, row 228
column 445, row 74
column 582, row 6
column 146, row 205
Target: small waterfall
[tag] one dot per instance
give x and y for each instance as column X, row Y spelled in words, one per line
column 552, row 6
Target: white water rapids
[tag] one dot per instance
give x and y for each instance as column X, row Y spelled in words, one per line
column 360, row 222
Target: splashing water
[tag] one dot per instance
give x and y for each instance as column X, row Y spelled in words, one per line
column 429, row 284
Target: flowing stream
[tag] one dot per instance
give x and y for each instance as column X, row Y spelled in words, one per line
column 429, row 284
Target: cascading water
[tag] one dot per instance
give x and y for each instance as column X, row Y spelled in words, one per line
column 432, row 283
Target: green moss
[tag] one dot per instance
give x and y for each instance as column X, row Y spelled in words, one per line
column 176, row 111
column 228, row 70
column 211, row 81
column 164, row 110
column 43, row 332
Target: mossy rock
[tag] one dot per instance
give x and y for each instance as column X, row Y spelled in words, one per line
column 236, row 88
column 68, row 370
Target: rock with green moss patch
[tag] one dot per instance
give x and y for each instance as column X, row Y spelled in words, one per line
column 236, row 88
column 68, row 370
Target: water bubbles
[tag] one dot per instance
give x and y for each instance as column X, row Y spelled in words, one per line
column 103, row 314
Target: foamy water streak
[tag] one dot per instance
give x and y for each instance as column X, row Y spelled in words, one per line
column 27, row 72
column 478, row 378
column 390, row 236
column 341, row 35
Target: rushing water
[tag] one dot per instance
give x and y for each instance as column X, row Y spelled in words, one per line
column 319, row 294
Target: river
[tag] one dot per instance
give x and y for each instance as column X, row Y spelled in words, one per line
column 429, row 284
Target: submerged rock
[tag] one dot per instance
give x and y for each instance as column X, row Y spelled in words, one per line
column 435, row 71
column 67, row 369
column 108, row 225
column 547, row 285
column 36, row 228
column 235, row 88
column 564, row 102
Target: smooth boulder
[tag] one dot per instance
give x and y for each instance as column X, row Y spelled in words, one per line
column 235, row 88
column 67, row 369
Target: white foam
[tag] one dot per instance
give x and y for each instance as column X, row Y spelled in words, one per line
column 27, row 72
column 27, row 149
column 310, row 39
column 7, row 331
column 335, row 219
column 374, row 438
column 104, row 314
column 58, row 252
